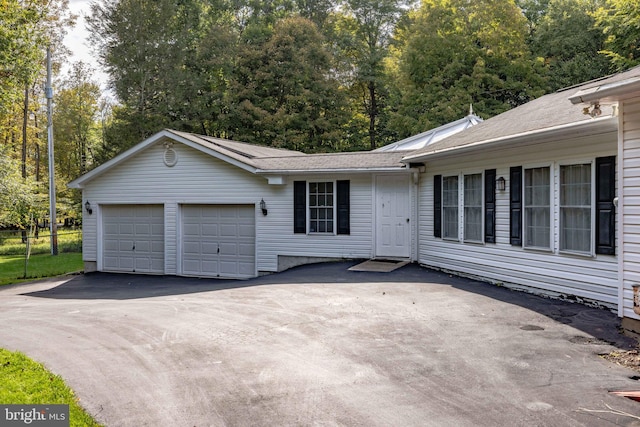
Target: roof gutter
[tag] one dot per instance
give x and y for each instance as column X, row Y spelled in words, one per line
column 400, row 168
column 573, row 129
column 611, row 91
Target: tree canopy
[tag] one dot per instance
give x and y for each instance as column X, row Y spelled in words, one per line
column 315, row 76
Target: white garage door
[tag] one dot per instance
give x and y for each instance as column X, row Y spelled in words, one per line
column 218, row 241
column 133, row 238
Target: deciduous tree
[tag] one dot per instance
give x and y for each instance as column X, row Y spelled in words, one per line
column 620, row 22
column 454, row 53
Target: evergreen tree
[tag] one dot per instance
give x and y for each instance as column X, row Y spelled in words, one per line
column 284, row 94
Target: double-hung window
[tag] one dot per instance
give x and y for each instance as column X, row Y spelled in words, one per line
column 321, row 204
column 584, row 215
column 576, row 208
column 321, row 207
column 537, row 208
column 450, row 207
column 464, row 207
column 473, row 207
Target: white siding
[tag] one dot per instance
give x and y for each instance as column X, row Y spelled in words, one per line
column 198, row 178
column 590, row 279
column 629, row 206
column 278, row 237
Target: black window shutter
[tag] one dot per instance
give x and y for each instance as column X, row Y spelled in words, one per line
column 490, row 206
column 343, row 207
column 515, row 206
column 437, row 206
column 299, row 206
column 605, row 210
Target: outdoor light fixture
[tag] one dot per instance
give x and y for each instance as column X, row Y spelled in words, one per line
column 263, row 207
column 594, row 112
column 500, row 184
column 87, row 207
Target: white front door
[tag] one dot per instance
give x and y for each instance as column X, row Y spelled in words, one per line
column 393, row 228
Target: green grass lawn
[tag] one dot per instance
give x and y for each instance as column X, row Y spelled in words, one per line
column 12, row 266
column 27, row 382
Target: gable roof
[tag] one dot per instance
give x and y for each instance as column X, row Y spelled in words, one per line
column 423, row 139
column 543, row 117
column 257, row 159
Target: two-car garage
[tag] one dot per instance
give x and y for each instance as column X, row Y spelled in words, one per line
column 211, row 240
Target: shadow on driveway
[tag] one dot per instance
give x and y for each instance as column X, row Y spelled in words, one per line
column 601, row 324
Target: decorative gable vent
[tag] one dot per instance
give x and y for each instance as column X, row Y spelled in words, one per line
column 170, row 155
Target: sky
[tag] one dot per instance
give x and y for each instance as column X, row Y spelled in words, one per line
column 77, row 42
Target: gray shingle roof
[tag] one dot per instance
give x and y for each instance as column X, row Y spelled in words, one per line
column 333, row 162
column 608, row 88
column 276, row 160
column 545, row 113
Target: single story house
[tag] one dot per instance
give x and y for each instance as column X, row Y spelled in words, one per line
column 193, row 205
column 544, row 197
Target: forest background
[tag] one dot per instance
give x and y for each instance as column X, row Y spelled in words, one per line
column 307, row 75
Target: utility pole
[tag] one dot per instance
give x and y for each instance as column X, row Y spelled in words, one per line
column 53, row 222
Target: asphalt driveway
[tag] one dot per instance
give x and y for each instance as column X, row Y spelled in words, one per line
column 321, row 346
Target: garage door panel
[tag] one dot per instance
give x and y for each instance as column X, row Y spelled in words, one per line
column 190, row 229
column 110, row 245
column 246, row 231
column 210, row 230
column 142, row 229
column 143, row 246
column 209, row 248
column 246, row 249
column 220, row 232
column 133, row 238
column 125, row 245
column 228, row 230
column 228, row 248
column 125, row 229
column 210, row 267
column 191, row 247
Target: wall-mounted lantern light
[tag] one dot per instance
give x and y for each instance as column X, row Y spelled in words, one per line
column 263, row 207
column 87, row 207
column 500, row 184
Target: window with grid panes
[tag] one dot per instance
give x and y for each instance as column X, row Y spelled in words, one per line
column 321, row 206
column 575, row 208
column 450, row 207
column 537, row 208
column 473, row 207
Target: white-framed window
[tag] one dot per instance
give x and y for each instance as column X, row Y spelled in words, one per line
column 472, row 224
column 576, row 208
column 537, row 208
column 321, row 207
column 450, row 202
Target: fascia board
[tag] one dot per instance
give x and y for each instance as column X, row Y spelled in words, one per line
column 314, row 171
column 164, row 134
column 607, row 92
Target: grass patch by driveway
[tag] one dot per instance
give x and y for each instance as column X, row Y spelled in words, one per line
column 27, row 382
column 12, row 266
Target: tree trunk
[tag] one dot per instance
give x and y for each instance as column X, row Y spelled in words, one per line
column 25, row 119
column 373, row 113
column 37, row 150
